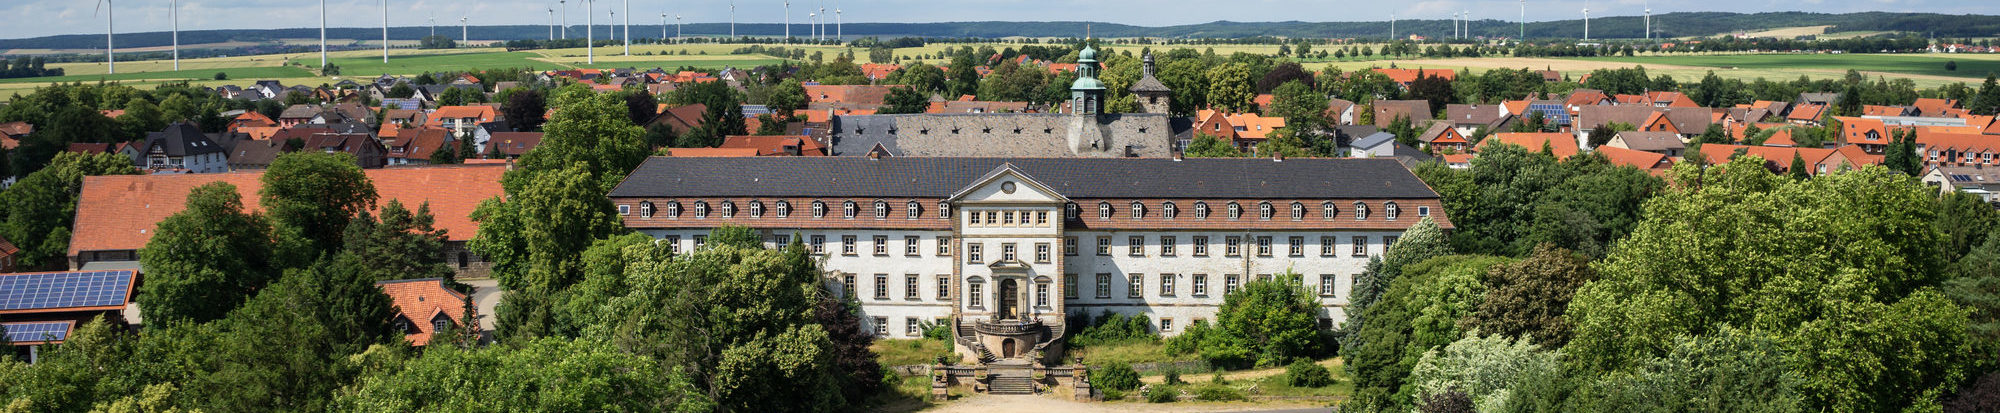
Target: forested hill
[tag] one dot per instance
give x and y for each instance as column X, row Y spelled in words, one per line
column 1667, row 25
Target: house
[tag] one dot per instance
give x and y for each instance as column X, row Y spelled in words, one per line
column 1806, row 114
column 1868, row 133
column 1213, row 123
column 7, row 253
column 182, row 148
column 250, row 119
column 1468, row 119
column 867, row 96
column 1670, row 100
column 1415, row 111
column 1776, row 159
column 461, row 120
column 298, row 114
column 1666, row 144
column 1956, row 149
column 679, row 118
column 1934, row 107
column 1978, row 181
column 11, row 133
column 1252, row 129
column 1822, row 99
column 1457, row 160
column 403, row 118
column 109, row 228
column 415, row 146
column 1552, row 113
column 1580, row 98
column 1404, row 77
column 511, row 145
column 1879, row 110
column 954, row 106
column 43, row 308
column 1340, row 111
column 776, row 145
column 366, row 150
column 1562, row 145
column 1651, row 162
column 255, row 154
column 427, row 309
column 711, row 152
column 1443, row 138
column 270, row 89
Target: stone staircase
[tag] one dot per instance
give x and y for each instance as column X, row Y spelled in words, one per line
column 1013, row 385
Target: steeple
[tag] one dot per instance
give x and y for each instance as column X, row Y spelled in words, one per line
column 1153, row 96
column 1087, row 93
column 1149, row 65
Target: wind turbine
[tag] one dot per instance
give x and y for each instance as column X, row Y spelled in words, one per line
column 565, row 20
column 464, row 31
column 1649, row 20
column 322, row 33
column 732, row 19
column 1468, row 23
column 1586, row 21
column 813, row 28
column 663, row 27
column 1524, row 19
column 175, row 12
column 385, row 31
column 614, row 25
column 628, row 27
column 110, row 62
column 552, row 23
column 836, row 25
column 589, row 34
column 788, row 21
column 434, row 24
column 822, row 24
column 677, row 28
column 1392, row 27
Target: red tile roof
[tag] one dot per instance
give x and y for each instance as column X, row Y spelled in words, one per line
column 251, row 119
column 1807, row 112
column 119, row 212
column 1643, row 160
column 1563, row 144
column 416, row 143
column 775, row 145
column 855, row 94
column 1934, row 107
column 1777, row 159
column 483, row 113
column 423, row 300
column 1405, row 76
column 712, row 152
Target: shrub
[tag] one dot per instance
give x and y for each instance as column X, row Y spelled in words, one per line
column 221, row 76
column 1111, row 394
column 1452, row 401
column 1218, row 379
column 1172, row 374
column 1304, row 373
column 1162, row 394
column 1110, row 327
column 1115, row 376
column 1218, row 393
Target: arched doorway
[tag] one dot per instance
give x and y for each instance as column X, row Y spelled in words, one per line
column 1006, row 348
column 1010, row 299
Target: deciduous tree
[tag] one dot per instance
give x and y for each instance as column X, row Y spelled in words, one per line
column 205, row 260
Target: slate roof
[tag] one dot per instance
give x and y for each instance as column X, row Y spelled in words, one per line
column 1005, row 134
column 1651, row 141
column 512, row 143
column 901, row 177
column 181, row 139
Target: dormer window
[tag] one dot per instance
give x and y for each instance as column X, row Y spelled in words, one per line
column 847, row 209
column 1104, row 210
column 1235, row 211
column 440, row 324
column 944, row 210
column 728, row 209
column 1392, row 210
column 1168, row 210
column 1327, row 211
column 1138, row 210
column 818, row 209
column 1424, row 211
column 784, row 209
column 1264, row 211
column 701, row 209
column 1298, row 211
column 881, row 210
column 646, row 209
column 756, row 209
column 673, row 209
column 1200, row 210
column 1070, row 210
column 914, row 210
column 1360, row 211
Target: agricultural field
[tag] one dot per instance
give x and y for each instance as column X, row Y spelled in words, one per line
column 1971, row 67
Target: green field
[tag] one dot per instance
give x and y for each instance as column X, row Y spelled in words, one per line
column 1969, row 66
column 244, row 74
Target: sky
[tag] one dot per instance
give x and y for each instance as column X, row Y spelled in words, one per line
column 35, row 18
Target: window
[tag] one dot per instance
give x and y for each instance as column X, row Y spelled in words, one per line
column 1070, row 210
column 781, row 240
column 1166, row 285
column 910, row 245
column 973, row 297
column 1008, row 218
column 756, row 209
column 818, row 209
column 881, row 245
column 944, row 287
column 1263, row 246
column 1166, row 324
column 673, row 209
column 909, row 286
column 1167, row 246
column 1069, row 246
column 1232, row 246
column 973, row 218
column 1069, row 286
column 1229, row 283
column 1360, row 246
column 944, row 209
column 1424, row 211
column 728, row 209
column 1201, row 210
column 944, row 246
column 818, row 244
column 1041, row 218
column 881, row 326
column 881, row 210
column 1200, row 284
column 1235, row 211
column 1103, row 285
column 673, row 244
column 1201, row 246
column 972, row 252
column 624, row 210
column 912, row 210
column 847, row 244
column 1007, row 251
column 1326, row 285
column 1104, row 210
column 1325, row 246
column 847, row 209
column 1136, row 286
column 1327, row 211
column 992, row 217
column 700, row 241
column 646, row 209
column 881, row 286
column 1298, row 211
column 1296, row 245
column 1042, row 294
column 1390, row 211
column 1387, row 242
column 847, row 285
column 1042, row 252
column 1168, row 210
column 1264, row 211
column 701, row 209
column 784, row 209
column 910, row 327
column 1360, row 211
column 1138, row 210
column 1135, row 246
column 1104, row 246
column 441, row 324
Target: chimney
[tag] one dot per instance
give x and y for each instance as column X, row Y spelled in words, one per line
column 1277, row 156
column 874, row 156
column 1177, row 156
column 510, row 164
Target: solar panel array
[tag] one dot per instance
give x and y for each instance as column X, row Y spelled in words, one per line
column 64, row 290
column 39, row 331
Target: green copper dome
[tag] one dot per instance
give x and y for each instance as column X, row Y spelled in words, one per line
column 1086, row 83
column 1088, row 53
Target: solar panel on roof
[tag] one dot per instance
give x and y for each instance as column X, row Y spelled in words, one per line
column 39, row 331
column 64, row 290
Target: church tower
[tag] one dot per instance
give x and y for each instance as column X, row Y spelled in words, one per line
column 1153, row 96
column 1087, row 94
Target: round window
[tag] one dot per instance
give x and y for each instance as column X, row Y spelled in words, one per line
column 1007, row 187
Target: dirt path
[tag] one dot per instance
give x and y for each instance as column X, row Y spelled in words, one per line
column 1333, row 364
column 1047, row 404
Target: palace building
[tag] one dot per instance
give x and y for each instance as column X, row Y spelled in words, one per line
column 1002, row 249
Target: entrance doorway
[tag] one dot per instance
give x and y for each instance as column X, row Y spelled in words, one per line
column 1010, row 299
column 1006, row 348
